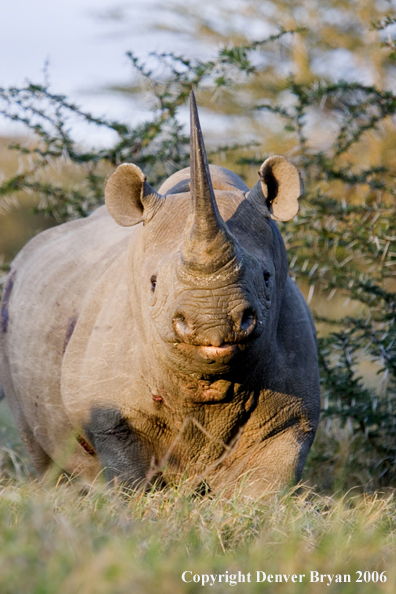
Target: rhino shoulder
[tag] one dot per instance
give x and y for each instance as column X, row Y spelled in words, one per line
column 296, row 350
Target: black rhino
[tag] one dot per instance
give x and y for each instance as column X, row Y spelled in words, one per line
column 174, row 344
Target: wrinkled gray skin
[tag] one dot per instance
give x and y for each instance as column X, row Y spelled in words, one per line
column 177, row 346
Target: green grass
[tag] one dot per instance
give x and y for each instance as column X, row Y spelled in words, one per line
column 65, row 538
column 57, row 539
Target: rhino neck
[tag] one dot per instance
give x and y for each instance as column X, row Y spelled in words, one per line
column 184, row 385
column 199, row 434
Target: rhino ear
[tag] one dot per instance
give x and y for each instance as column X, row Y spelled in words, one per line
column 276, row 194
column 129, row 198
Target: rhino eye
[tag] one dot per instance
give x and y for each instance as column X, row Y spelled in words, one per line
column 266, row 278
column 153, row 281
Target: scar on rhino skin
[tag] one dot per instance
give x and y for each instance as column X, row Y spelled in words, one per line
column 69, row 331
column 86, row 445
column 4, row 306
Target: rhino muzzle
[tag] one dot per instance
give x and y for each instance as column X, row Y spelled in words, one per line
column 215, row 332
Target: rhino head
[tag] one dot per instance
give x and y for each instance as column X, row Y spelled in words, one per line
column 207, row 290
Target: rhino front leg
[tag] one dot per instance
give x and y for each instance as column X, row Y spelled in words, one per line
column 40, row 458
column 282, row 460
column 262, row 466
column 274, row 443
column 124, row 456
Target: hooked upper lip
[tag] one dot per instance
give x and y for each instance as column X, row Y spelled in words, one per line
column 217, row 352
column 209, row 353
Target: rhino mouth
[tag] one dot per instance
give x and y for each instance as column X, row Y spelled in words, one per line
column 210, row 354
column 217, row 352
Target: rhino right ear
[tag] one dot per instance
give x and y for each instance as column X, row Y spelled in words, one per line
column 129, row 198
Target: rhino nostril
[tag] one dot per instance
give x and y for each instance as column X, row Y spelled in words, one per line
column 181, row 326
column 248, row 321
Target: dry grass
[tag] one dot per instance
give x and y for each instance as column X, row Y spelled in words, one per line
column 60, row 537
column 57, row 539
column 18, row 222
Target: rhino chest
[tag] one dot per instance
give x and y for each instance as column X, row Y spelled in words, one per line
column 138, row 445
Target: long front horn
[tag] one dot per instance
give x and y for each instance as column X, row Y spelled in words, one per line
column 208, row 246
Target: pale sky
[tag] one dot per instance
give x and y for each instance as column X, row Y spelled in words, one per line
column 84, row 42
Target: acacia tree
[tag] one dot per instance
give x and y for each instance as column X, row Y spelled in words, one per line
column 341, row 246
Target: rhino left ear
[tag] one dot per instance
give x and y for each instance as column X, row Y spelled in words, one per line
column 276, row 194
column 129, row 198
